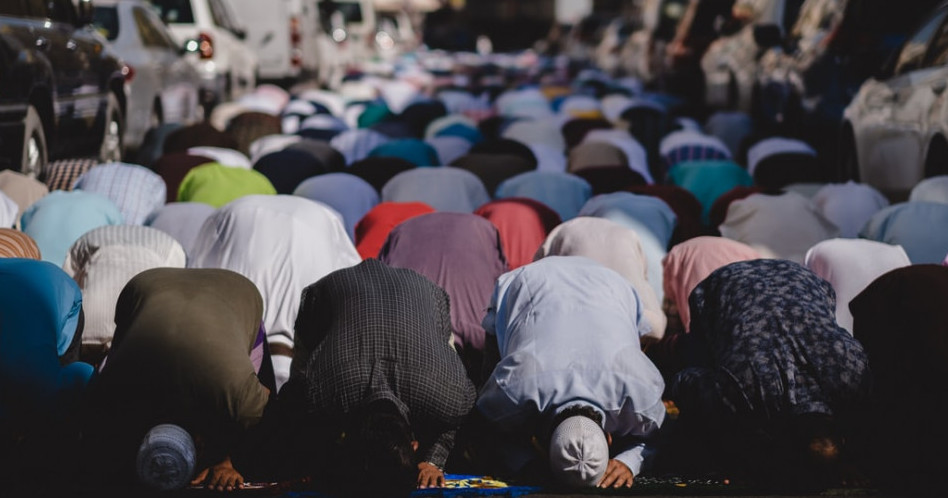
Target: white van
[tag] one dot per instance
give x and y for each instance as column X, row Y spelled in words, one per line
column 228, row 68
column 284, row 34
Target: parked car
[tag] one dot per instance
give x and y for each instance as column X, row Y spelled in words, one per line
column 643, row 54
column 895, row 131
column 62, row 88
column 163, row 86
column 730, row 63
column 284, row 35
column 835, row 45
column 227, row 66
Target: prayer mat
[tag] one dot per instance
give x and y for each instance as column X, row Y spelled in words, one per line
column 458, row 485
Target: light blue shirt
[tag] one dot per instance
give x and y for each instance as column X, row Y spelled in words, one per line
column 56, row 221
column 564, row 193
column 919, row 227
column 566, row 329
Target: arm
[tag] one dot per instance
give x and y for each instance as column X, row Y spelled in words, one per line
column 437, row 452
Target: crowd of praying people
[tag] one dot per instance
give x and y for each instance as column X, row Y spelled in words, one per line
column 510, row 268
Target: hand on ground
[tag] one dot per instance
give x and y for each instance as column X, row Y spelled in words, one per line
column 617, row 475
column 429, row 476
column 221, row 477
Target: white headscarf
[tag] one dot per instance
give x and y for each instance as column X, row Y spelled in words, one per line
column 282, row 243
column 850, row 265
column 615, row 247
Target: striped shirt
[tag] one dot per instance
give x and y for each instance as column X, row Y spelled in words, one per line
column 104, row 259
column 16, row 244
column 135, row 190
column 62, row 174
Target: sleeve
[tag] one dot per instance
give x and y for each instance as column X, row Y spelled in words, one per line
column 630, row 448
column 437, row 452
column 632, row 457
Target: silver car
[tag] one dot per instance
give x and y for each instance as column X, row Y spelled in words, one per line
column 895, row 131
column 163, row 87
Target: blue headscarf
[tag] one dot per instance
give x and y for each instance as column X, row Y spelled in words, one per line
column 39, row 317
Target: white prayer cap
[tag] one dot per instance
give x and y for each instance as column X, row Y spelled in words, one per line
column 166, row 458
column 579, row 453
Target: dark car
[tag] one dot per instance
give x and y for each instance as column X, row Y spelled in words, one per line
column 62, row 90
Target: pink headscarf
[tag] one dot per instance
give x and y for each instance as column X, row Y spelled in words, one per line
column 691, row 261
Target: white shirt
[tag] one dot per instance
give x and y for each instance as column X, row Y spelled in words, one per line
column 785, row 225
column 104, row 259
column 282, row 243
column 566, row 331
column 850, row 265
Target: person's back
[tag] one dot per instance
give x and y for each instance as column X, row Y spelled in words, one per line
column 565, row 330
column 768, row 370
column 181, row 354
column 371, row 333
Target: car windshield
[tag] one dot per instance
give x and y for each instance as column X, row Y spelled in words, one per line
column 105, row 20
column 174, row 11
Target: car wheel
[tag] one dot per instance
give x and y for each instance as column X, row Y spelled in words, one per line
column 936, row 163
column 35, row 155
column 111, row 149
column 848, row 157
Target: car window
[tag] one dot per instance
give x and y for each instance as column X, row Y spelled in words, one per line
column 221, row 15
column 938, row 52
column 152, row 35
column 174, row 11
column 105, row 20
column 912, row 55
